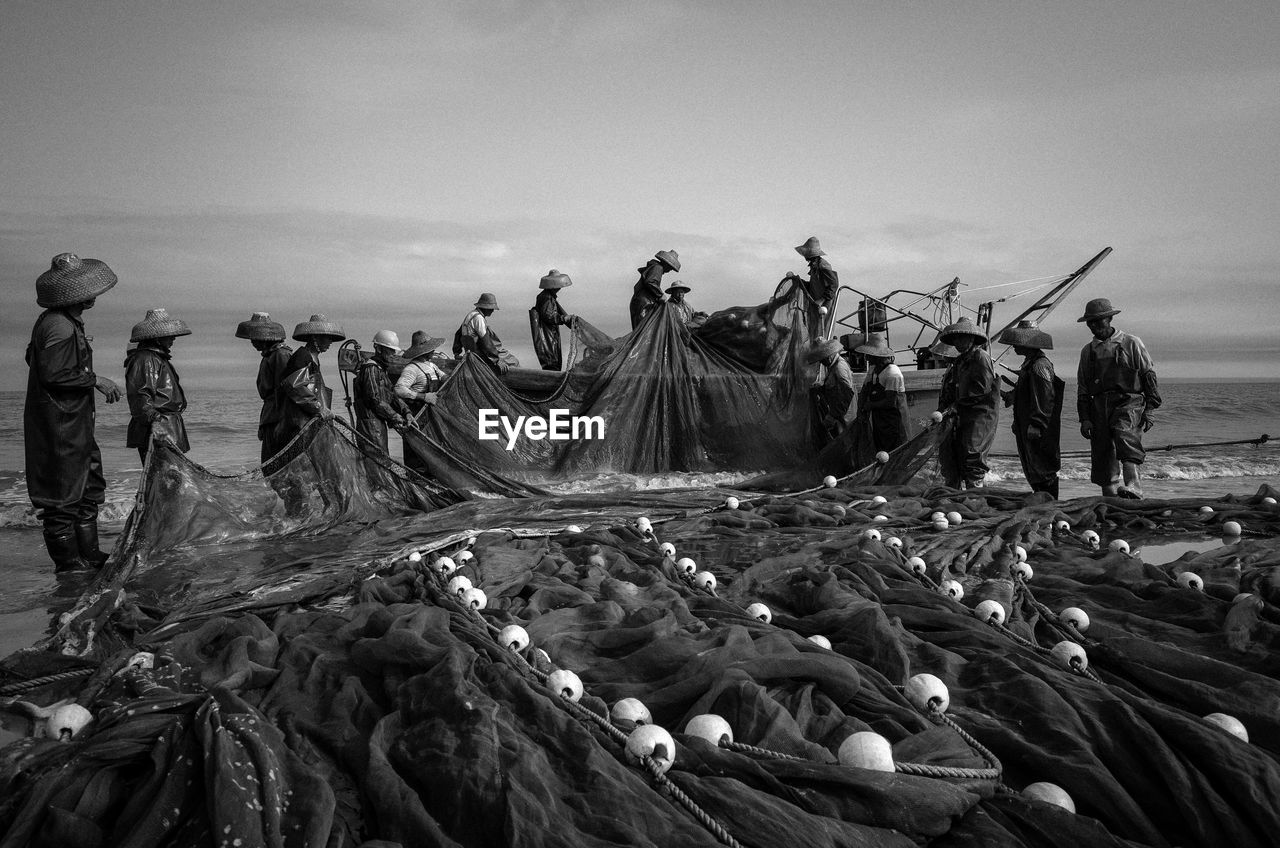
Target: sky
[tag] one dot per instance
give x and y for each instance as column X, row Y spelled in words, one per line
column 383, row 163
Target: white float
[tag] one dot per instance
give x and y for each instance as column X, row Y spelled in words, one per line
column 866, row 750
column 65, row 722
column 1070, row 655
column 829, row 481
column 1075, row 617
column 631, row 709
column 710, row 727
column 926, row 692
column 953, row 589
column 475, row 598
column 458, row 584
column 761, row 612
column 1050, row 793
column 514, row 636
column 565, row 683
column 990, row 612
column 685, row 565
column 705, row 580
column 821, row 641
column 649, row 740
column 1229, row 723
column 1191, row 580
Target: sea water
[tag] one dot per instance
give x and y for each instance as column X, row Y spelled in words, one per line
column 222, row 426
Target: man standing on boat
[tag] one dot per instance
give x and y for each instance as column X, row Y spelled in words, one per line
column 267, row 337
column 1116, row 394
column 821, row 287
column 475, row 336
column 970, row 392
column 377, row 406
column 1036, row 399
column 647, row 293
column 156, row 400
column 63, row 464
column 545, row 319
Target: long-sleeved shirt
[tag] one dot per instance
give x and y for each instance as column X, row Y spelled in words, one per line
column 545, row 319
column 270, row 373
column 647, row 292
column 823, row 281
column 474, row 335
column 156, row 399
column 418, row 378
column 1118, row 364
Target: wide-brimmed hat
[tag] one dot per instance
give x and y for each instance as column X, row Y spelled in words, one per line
column 852, row 340
column 71, row 280
column 487, row 301
column 158, row 324
column 963, row 327
column 669, row 258
column 875, row 345
column 677, row 286
column 822, row 350
column 555, row 280
column 810, row 248
column 1097, row 308
column 319, row 326
column 260, row 328
column 1027, row 334
column 423, row 342
column 943, row 350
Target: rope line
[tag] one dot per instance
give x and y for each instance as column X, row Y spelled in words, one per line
column 36, row 682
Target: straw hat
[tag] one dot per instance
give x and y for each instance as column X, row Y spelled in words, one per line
column 487, row 301
column 852, row 340
column 669, row 258
column 1097, row 308
column 943, row 350
column 822, row 350
column 423, row 343
column 963, row 327
column 318, row 326
column 811, row 248
column 677, row 286
column 158, row 324
column 555, row 280
column 875, row 345
column 1027, row 334
column 260, row 328
column 71, row 280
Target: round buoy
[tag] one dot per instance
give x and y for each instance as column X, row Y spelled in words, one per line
column 936, row 417
column 458, row 584
column 1050, row 793
column 761, row 612
column 514, row 637
column 731, row 502
column 746, row 323
column 644, row 525
column 952, row 589
column 415, row 556
column 475, row 598
column 893, row 542
column 1243, row 596
column 1070, row 655
column 565, row 683
column 871, row 535
column 1062, row 525
column 917, row 565
column 573, row 528
column 649, row 740
column 1191, row 580
column 445, row 565
column 710, row 727
column 1019, row 553
column 597, row 561
column 1231, row 724
column 65, row 722
column 1206, row 510
column 668, row 549
column 704, row 580
column 882, row 457
column 142, row 661
column 991, row 612
column 1269, row 501
column 1023, row 570
column 941, row 524
column 829, row 481
column 954, row 517
column 879, row 499
column 880, row 518
column 1231, row 528
column 1119, row 545
column 821, row 641
column 1091, row 538
column 631, row 709
column 1075, row 617
column 926, row 692
column 938, row 515
column 464, row 556
column 685, row 565
column 866, row 750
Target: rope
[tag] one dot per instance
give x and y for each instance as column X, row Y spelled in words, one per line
column 1258, row 442
column 688, row 803
column 982, row 750
column 744, row 748
column 922, row 770
column 35, row 682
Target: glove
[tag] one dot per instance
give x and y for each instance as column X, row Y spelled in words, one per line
column 430, row 397
column 326, row 413
column 1147, row 422
column 1086, row 429
column 108, row 388
column 398, row 422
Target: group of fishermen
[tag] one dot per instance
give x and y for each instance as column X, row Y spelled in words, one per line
column 1116, row 395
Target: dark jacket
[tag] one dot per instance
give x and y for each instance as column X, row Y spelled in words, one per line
column 647, row 292
column 270, row 373
column 970, row 387
column 58, row 416
column 376, row 404
column 823, row 281
column 1037, row 419
column 545, row 319
column 304, row 392
column 156, row 401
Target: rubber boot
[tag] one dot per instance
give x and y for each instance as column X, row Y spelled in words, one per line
column 1132, row 480
column 64, row 551
column 87, row 542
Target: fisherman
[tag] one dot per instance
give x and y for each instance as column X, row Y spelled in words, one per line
column 648, row 290
column 303, row 383
column 683, row 309
column 970, row 392
column 1116, row 394
column 267, row 337
column 377, row 406
column 475, row 336
column 417, row 386
column 545, row 319
column 1036, row 399
column 156, row 400
column 882, row 401
column 63, row 464
column 834, row 407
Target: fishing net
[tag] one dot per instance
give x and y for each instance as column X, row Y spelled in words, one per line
column 388, row 709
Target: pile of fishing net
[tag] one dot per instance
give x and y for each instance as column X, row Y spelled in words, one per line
column 403, row 705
